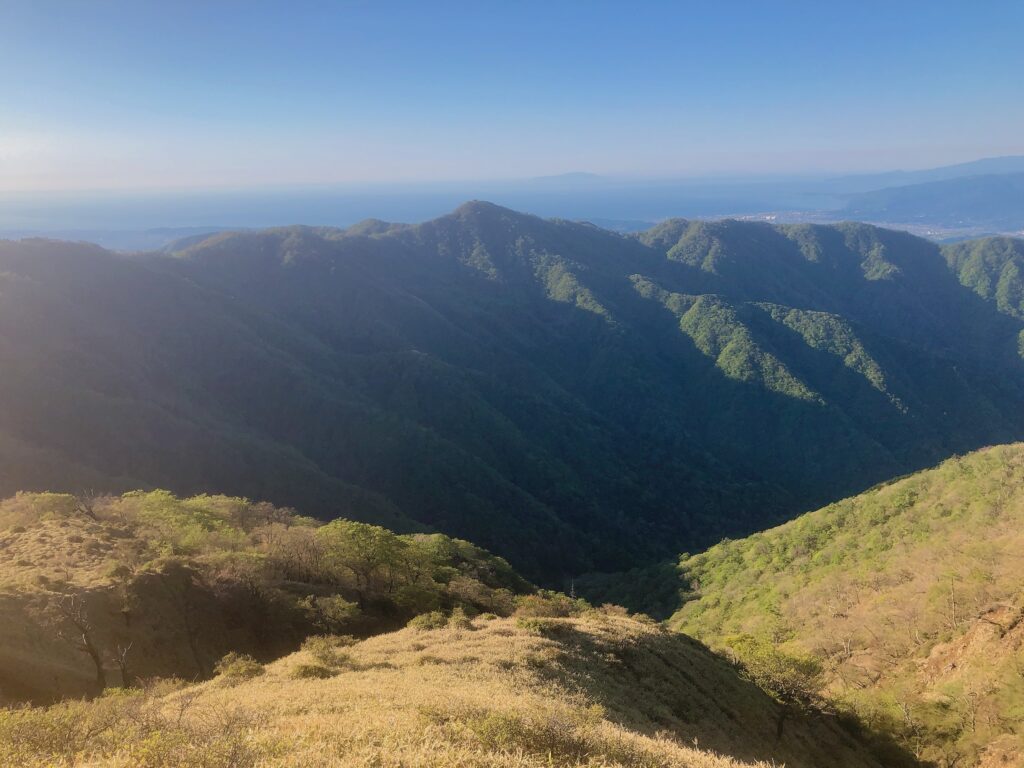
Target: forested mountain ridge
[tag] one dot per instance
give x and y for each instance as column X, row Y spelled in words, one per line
column 569, row 397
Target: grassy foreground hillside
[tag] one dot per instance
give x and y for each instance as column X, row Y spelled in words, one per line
column 112, row 591
column 904, row 604
column 597, row 690
column 158, row 632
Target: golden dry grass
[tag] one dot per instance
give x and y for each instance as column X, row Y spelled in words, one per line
column 598, row 691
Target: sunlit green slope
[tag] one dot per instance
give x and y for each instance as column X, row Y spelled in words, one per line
column 909, row 599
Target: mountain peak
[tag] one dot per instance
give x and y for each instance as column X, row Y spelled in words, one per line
column 487, row 216
column 482, row 208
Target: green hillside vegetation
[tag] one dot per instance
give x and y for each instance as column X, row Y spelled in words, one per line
column 719, row 332
column 112, row 591
column 994, row 269
column 904, row 605
column 567, row 397
column 594, row 690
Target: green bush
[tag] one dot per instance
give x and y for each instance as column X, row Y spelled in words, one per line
column 236, row 667
column 789, row 677
column 331, row 613
column 536, row 625
column 312, row 672
column 325, row 649
column 459, row 619
column 427, row 621
column 550, row 605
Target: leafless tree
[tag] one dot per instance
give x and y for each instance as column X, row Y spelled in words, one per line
column 76, row 628
column 85, row 505
column 120, row 658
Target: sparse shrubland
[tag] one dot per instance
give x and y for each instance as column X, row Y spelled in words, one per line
column 113, row 590
column 161, row 726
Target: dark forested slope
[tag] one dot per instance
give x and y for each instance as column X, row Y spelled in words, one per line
column 566, row 396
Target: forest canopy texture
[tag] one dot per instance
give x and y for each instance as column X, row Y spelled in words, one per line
column 569, row 398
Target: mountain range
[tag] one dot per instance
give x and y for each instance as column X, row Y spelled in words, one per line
column 571, row 398
column 991, row 201
column 945, row 203
column 870, row 182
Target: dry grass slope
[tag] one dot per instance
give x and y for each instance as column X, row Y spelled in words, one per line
column 600, row 690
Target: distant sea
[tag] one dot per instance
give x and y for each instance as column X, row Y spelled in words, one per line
column 147, row 219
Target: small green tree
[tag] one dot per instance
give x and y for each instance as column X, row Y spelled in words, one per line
column 547, row 604
column 331, row 614
column 373, row 555
column 237, row 667
column 793, row 678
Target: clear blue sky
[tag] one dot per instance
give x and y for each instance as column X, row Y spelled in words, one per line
column 105, row 94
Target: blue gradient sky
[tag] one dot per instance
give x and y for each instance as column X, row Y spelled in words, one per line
column 104, row 94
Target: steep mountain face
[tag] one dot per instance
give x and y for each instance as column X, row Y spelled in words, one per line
column 906, row 598
column 571, row 398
